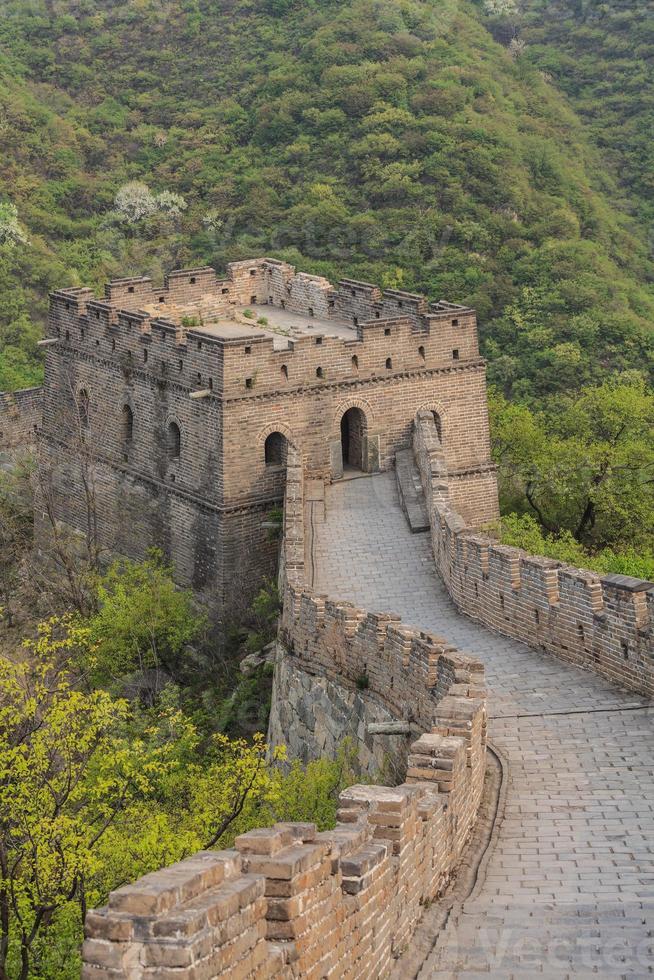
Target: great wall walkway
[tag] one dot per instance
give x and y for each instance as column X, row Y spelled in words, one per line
column 567, row 886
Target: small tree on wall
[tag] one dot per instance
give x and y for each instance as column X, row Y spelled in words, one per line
column 16, row 529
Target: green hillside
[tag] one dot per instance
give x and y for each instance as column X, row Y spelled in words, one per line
column 602, row 56
column 396, row 142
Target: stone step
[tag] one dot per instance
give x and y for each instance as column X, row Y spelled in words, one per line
column 410, row 490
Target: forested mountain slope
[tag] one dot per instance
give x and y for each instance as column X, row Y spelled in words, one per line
column 394, row 141
column 602, row 56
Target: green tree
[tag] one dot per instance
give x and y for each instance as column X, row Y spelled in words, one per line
column 96, row 791
column 586, row 467
column 524, row 531
column 144, row 621
column 16, row 528
column 66, row 773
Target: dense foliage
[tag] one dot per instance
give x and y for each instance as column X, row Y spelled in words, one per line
column 581, row 474
column 96, row 791
column 143, row 621
column 524, row 531
column 396, row 141
column 602, row 56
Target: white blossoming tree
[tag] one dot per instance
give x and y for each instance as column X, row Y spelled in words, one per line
column 135, row 202
column 11, row 232
column 170, row 204
column 500, row 8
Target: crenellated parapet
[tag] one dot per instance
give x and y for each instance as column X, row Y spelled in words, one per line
column 602, row 622
column 305, row 332
column 289, row 901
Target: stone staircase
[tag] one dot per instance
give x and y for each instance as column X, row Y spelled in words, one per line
column 412, row 497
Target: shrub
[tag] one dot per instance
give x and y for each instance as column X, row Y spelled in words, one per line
column 144, row 620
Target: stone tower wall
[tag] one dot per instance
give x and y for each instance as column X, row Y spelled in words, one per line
column 20, row 417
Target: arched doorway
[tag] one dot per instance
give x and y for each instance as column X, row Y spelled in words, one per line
column 354, row 429
column 275, row 450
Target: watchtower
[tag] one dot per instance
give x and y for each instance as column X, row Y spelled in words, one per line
column 186, row 397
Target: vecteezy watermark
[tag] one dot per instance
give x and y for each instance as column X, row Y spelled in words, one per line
column 427, row 242
column 608, row 941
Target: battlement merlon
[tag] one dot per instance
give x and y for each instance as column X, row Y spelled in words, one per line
column 268, row 312
column 244, row 285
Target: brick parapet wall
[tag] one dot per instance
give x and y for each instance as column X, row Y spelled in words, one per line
column 601, row 622
column 288, row 901
column 20, row 417
column 149, row 328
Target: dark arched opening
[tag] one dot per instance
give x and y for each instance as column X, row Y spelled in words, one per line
column 353, row 433
column 128, row 424
column 173, row 441
column 276, row 449
column 439, row 426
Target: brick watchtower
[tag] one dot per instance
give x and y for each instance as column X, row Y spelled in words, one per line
column 188, row 395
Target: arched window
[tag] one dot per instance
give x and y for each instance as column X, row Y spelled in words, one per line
column 128, row 424
column 421, row 352
column 389, row 364
column 355, row 363
column 275, row 449
column 284, row 372
column 174, row 441
column 83, row 408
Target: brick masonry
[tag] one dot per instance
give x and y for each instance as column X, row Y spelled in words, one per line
column 147, row 361
column 291, row 902
column 602, row 622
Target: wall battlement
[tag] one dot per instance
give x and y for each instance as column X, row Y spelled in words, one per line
column 320, row 334
column 266, row 280
column 289, row 901
column 602, row 622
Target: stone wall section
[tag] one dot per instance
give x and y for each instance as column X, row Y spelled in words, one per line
column 602, row 622
column 312, row 715
column 20, row 417
column 288, row 901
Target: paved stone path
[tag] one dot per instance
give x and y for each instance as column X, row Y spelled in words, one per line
column 568, row 887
